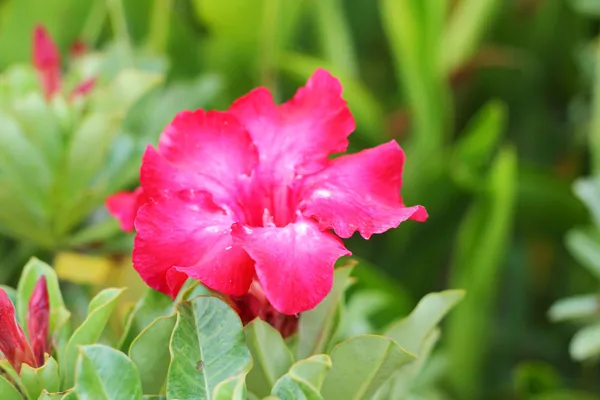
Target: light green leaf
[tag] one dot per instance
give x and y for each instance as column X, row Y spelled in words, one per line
column 410, row 332
column 465, row 30
column 588, row 191
column 584, row 245
column 9, row 392
column 586, row 343
column 271, row 356
column 479, row 254
column 576, row 307
column 152, row 305
column 32, row 272
column 88, row 332
column 207, row 347
column 37, row 379
column 403, row 381
column 590, row 8
column 304, row 380
column 233, row 388
column 317, row 326
column 106, row 373
column 54, row 396
column 361, row 365
column 150, row 352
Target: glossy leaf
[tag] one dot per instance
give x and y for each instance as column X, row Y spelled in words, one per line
column 152, row 305
column 106, row 373
column 88, row 332
column 410, row 332
column 317, row 326
column 304, row 380
column 361, row 365
column 271, row 356
column 207, row 347
column 233, row 388
column 150, row 353
column 35, row 380
column 8, row 391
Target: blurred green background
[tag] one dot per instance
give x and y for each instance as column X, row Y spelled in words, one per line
column 496, row 102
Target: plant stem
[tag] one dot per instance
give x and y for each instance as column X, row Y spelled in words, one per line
column 119, row 25
column 160, row 25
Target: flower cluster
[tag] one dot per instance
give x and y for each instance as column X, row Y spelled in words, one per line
column 251, row 196
column 13, row 344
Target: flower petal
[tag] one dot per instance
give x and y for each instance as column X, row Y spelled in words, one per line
column 298, row 136
column 185, row 234
column 124, row 207
column 294, row 264
column 13, row 343
column 46, row 60
column 205, row 150
column 360, row 192
column 38, row 319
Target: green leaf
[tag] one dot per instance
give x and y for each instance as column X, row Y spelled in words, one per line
column 150, row 352
column 576, row 307
column 403, row 381
column 88, row 332
column 9, row 392
column 152, row 305
column 590, row 8
column 55, row 396
column 481, row 247
column 361, row 365
column 584, row 245
column 468, row 22
column 271, row 356
column 207, row 347
column 304, row 380
column 317, row 326
column 478, row 142
column 410, row 332
column 106, row 373
column 586, row 343
column 32, row 272
column 233, row 388
column 37, row 379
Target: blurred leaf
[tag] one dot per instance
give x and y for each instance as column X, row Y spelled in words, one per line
column 36, row 379
column 361, row 365
column 411, row 332
column 586, row 343
column 150, row 353
column 29, row 278
column 152, row 305
column 207, row 347
column 271, row 356
column 335, row 36
column 590, row 8
column 588, row 191
column 88, row 332
column 316, row 327
column 83, row 268
column 477, row 143
column 304, row 380
column 535, row 378
column 360, row 311
column 465, row 29
column 585, row 248
column 481, row 246
column 233, row 388
column 8, row 390
column 106, row 373
column 576, row 307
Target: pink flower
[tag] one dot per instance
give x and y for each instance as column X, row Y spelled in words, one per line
column 13, row 343
column 46, row 59
column 252, row 193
